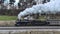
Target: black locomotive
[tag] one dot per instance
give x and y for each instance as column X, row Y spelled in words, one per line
column 31, row 23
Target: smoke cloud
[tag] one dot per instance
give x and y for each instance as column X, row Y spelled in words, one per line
column 50, row 7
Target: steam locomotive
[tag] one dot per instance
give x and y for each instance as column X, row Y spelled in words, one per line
column 31, row 23
column 35, row 21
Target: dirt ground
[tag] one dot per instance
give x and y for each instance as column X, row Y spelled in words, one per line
column 7, row 23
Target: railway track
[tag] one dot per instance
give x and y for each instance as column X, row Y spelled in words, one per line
column 29, row 27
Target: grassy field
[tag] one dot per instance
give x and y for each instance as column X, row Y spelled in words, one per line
column 8, row 17
column 15, row 17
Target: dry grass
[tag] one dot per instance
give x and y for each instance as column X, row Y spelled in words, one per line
column 7, row 23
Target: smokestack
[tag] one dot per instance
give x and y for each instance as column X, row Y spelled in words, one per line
column 53, row 6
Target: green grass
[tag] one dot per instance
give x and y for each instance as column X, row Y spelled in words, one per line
column 8, row 17
column 15, row 17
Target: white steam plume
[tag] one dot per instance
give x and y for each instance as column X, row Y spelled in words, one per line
column 53, row 6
